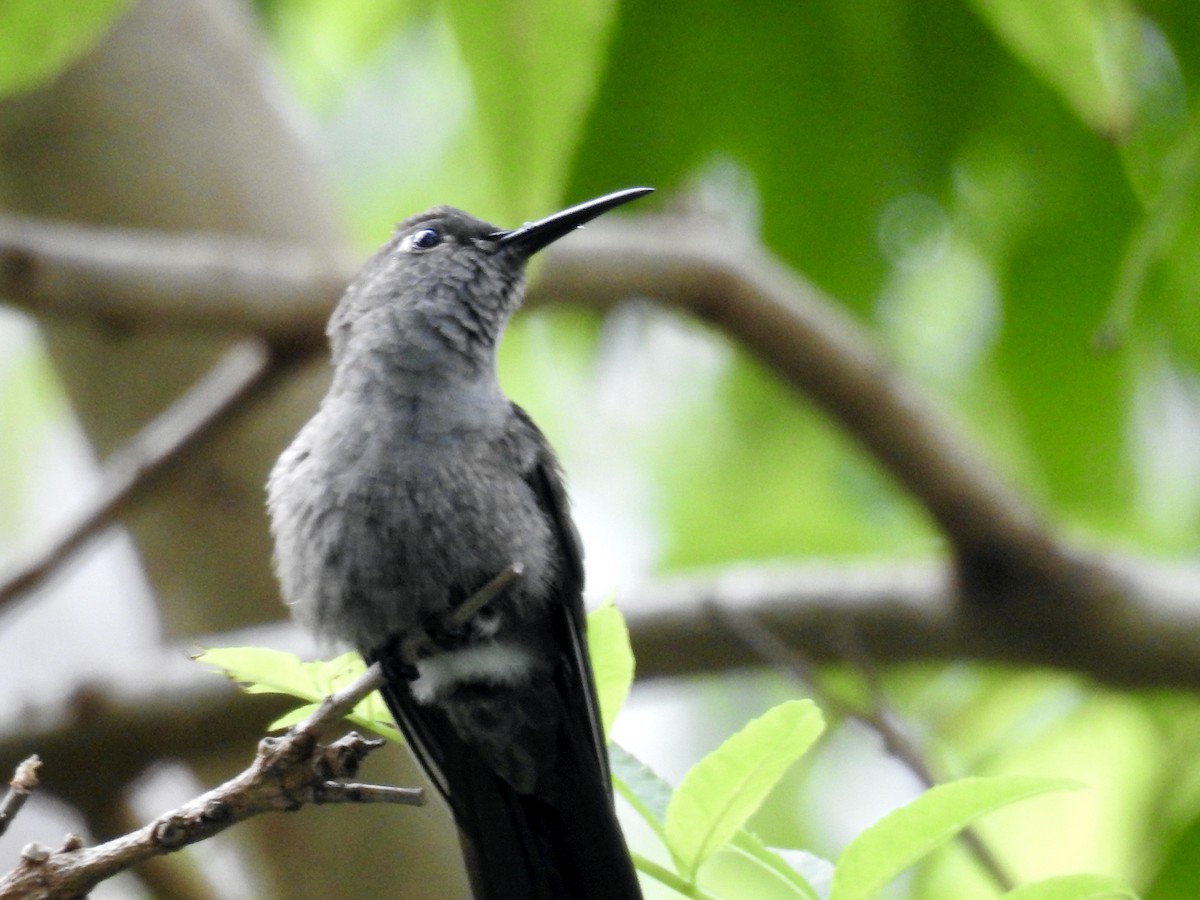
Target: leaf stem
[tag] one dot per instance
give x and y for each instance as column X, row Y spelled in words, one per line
column 671, row 879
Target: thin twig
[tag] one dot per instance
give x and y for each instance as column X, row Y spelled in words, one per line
column 236, row 377
column 338, row 704
column 461, row 615
column 879, row 718
column 287, row 773
column 23, row 782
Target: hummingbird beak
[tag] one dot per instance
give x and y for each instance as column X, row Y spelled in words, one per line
column 534, row 236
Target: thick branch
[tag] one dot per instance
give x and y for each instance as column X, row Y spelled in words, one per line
column 1018, row 576
column 287, row 773
column 700, row 268
column 897, row 614
column 810, row 342
column 911, row 613
column 157, row 279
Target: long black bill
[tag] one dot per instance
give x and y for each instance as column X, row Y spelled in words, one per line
column 533, row 236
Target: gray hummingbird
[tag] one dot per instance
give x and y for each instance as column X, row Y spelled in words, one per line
column 421, row 517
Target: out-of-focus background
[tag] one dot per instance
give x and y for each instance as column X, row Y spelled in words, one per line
column 1006, row 197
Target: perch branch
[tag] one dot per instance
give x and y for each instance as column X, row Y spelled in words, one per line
column 899, row 614
column 287, row 773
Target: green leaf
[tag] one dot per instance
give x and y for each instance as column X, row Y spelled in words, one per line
column 297, row 715
column 649, row 796
column 260, row 670
column 641, row 786
column 1159, row 275
column 903, row 837
column 40, row 38
column 1149, row 150
column 1178, row 869
column 751, row 845
column 724, row 789
column 612, row 661
column 1074, row 887
column 1088, row 50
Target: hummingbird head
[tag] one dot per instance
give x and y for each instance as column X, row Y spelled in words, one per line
column 447, row 281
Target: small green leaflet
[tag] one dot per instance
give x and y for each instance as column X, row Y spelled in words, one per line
column 720, row 793
column 260, row 670
column 641, row 786
column 904, row 836
column 40, row 38
column 612, row 661
column 1074, row 887
column 649, row 796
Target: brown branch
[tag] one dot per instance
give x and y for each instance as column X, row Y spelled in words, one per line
column 129, row 472
column 1019, row 579
column 707, row 270
column 157, row 877
column 810, row 342
column 898, row 613
column 909, row 613
column 158, row 279
column 287, row 773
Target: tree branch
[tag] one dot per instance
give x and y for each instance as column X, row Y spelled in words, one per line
column 1011, row 580
column 147, row 278
column 287, row 773
column 701, row 268
column 908, row 613
column 239, row 375
column 898, row 613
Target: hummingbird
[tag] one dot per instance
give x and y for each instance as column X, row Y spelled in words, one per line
column 421, row 517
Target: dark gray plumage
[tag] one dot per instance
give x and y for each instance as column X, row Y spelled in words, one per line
column 415, row 484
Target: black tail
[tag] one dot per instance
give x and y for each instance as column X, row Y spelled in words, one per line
column 532, row 800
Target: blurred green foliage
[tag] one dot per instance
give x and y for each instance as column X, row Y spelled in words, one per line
column 39, row 38
column 1007, row 192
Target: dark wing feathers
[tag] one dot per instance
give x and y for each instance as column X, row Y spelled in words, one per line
column 569, row 616
column 560, row 839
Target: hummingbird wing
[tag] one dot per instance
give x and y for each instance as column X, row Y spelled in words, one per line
column 522, row 762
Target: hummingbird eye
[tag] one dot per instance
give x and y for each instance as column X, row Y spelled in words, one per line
column 423, row 239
